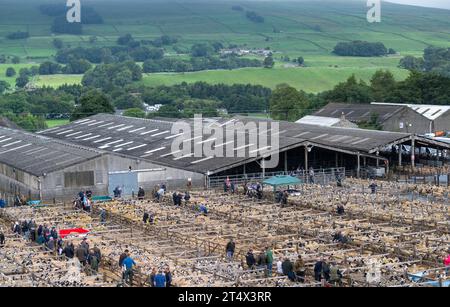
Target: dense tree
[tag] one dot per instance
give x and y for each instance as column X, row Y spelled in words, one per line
column 27, row 121
column 49, row 68
column 201, row 50
column 91, row 103
column 58, row 43
column 411, row 63
column 269, row 62
column 350, row 91
column 4, row 86
column 22, row 81
column 421, row 88
column 125, row 39
column 10, row 72
column 135, row 112
column 255, row 17
column 300, row 61
column 382, row 83
column 15, row 60
column 287, row 103
column 106, row 76
column 127, row 101
column 360, row 48
column 18, row 35
column 77, row 66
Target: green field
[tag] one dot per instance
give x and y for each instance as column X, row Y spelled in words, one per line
column 56, row 122
column 303, row 28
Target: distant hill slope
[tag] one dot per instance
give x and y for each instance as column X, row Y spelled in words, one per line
column 306, row 27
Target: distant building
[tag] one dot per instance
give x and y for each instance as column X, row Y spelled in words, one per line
column 327, row 121
column 438, row 115
column 391, row 117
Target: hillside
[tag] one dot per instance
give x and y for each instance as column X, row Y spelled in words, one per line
column 303, row 28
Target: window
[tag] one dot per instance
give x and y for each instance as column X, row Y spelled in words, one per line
column 99, row 177
column 79, row 179
column 59, row 181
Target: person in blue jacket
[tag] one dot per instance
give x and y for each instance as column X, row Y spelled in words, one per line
column 160, row 280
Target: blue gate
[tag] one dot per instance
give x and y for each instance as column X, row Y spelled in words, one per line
column 128, row 181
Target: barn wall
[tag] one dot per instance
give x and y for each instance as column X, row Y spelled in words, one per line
column 420, row 124
column 92, row 175
column 442, row 123
column 16, row 182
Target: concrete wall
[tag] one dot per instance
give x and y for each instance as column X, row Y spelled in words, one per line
column 174, row 178
column 55, row 188
column 420, row 124
column 442, row 123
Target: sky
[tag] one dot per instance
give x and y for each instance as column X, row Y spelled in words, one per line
column 429, row 3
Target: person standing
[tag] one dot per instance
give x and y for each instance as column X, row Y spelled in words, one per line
column 288, row 269
column 152, row 277
column 230, row 248
column 141, row 193
column 2, row 238
column 168, row 277
column 300, row 269
column 335, row 275
column 128, row 264
column 269, row 261
column 102, row 216
column 373, row 187
column 160, row 280
column 250, row 260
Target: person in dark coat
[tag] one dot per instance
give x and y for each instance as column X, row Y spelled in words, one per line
column 168, row 277
column 340, row 209
column 69, row 250
column 250, row 260
column 373, row 187
column 82, row 254
column 145, row 217
column 141, row 193
column 288, row 269
column 187, row 197
column 97, row 253
column 231, row 246
column 2, row 238
column 122, row 257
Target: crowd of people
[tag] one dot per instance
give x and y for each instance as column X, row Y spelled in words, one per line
column 159, row 278
column 324, row 272
column 83, row 201
column 50, row 239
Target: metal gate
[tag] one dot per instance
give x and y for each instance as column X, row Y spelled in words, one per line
column 128, row 181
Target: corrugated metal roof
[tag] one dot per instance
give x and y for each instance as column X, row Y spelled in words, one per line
column 37, row 154
column 431, row 112
column 151, row 140
column 318, row 120
column 359, row 112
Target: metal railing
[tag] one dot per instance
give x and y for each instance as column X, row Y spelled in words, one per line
column 321, row 176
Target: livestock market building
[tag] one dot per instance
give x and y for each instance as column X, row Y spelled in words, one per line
column 148, row 144
column 42, row 168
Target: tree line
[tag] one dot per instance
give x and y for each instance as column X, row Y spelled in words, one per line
column 435, row 59
column 362, row 49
